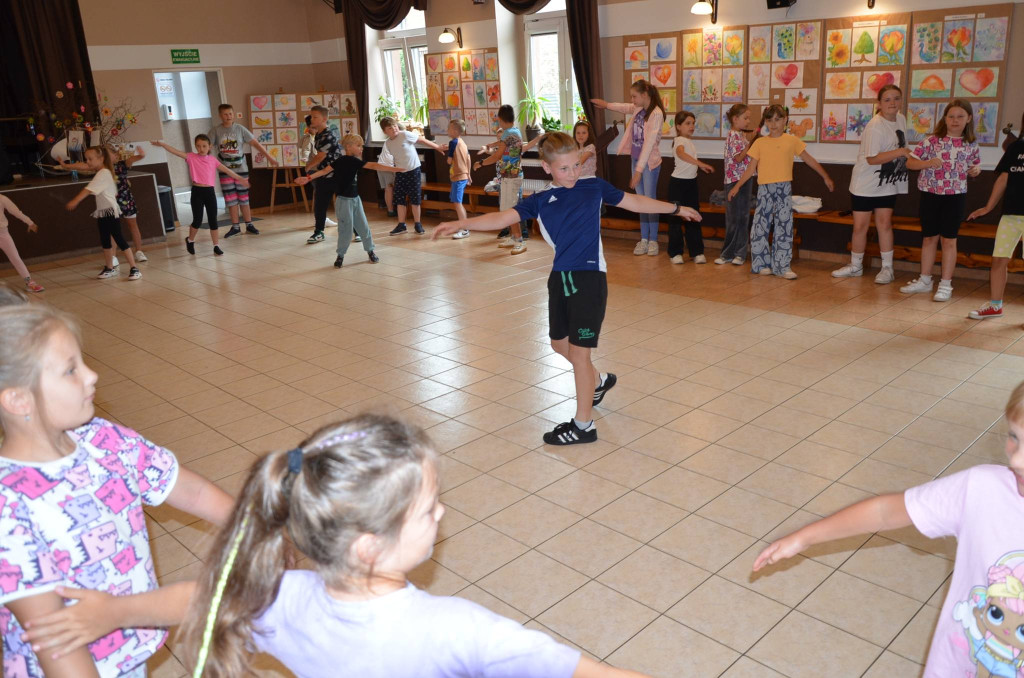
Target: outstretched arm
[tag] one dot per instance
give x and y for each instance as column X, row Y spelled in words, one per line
column 686, row 157
column 493, row 221
column 170, row 149
column 816, row 166
column 139, row 154
column 998, row 189
column 74, row 202
column 886, row 512
column 73, row 165
column 427, row 142
column 234, row 175
column 262, row 149
column 492, row 158
column 644, row 205
column 539, row 139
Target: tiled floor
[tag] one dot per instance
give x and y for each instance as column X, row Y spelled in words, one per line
column 746, row 407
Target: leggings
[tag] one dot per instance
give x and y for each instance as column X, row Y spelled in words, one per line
column 648, row 186
column 684, row 192
column 7, row 245
column 204, row 196
column 110, row 227
column 323, row 194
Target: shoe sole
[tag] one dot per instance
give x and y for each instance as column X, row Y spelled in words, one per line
column 977, row 316
column 515, row 252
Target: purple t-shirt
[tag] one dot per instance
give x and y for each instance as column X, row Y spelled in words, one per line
column 981, row 618
column 405, row 634
column 636, row 131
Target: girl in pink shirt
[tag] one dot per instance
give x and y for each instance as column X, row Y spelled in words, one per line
column 7, row 243
column 203, row 168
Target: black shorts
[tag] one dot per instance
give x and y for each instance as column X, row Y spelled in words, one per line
column 576, row 305
column 863, row 203
column 408, row 185
column 941, row 214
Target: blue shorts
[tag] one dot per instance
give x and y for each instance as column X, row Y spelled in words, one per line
column 457, row 190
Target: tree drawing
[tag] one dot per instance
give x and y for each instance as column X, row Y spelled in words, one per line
column 865, row 45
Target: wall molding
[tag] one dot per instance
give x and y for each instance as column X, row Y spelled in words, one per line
column 113, row 57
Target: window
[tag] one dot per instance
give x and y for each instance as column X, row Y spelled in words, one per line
column 549, row 66
column 402, row 49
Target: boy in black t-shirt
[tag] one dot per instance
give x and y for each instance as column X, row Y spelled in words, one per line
column 348, row 207
column 568, row 213
column 1009, row 181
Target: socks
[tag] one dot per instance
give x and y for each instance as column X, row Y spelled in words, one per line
column 234, row 225
column 946, row 283
column 583, row 426
column 857, row 259
column 926, row 279
column 993, row 303
column 604, row 378
column 887, row 259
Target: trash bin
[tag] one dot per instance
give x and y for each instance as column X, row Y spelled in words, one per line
column 166, row 196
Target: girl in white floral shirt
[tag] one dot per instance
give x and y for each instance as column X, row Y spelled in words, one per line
column 945, row 159
column 737, row 210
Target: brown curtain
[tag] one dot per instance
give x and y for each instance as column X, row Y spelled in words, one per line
column 527, row 6
column 377, row 14
column 585, row 45
column 42, row 48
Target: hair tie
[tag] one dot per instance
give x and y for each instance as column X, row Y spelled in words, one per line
column 295, row 460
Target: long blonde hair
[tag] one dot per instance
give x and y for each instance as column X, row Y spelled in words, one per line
column 356, row 477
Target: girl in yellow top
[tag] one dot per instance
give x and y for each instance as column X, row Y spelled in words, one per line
column 772, row 159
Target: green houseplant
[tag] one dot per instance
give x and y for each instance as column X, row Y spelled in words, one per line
column 531, row 111
column 422, row 114
column 386, row 108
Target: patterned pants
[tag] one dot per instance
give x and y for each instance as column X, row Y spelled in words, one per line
column 774, row 209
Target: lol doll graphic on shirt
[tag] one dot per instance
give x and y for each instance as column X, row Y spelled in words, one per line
column 993, row 619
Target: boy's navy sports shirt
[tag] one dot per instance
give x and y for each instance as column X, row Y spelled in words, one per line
column 570, row 221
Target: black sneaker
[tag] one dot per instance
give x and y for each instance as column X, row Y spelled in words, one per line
column 233, row 231
column 190, row 246
column 398, row 230
column 249, row 228
column 338, row 262
column 504, row 233
column 600, row 391
column 419, row 228
column 569, row 433
column 373, row 257
column 217, row 250
column 318, row 236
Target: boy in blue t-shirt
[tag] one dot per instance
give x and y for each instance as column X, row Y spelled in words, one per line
column 569, row 215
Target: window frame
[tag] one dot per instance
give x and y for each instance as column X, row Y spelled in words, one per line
column 545, row 24
column 405, row 40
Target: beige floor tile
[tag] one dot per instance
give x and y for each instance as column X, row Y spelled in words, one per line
column 791, row 422
column 433, row 577
column 451, row 434
column 854, row 439
column 788, row 582
column 729, row 613
column 626, row 467
column 477, row 551
column 482, row 496
column 654, row 651
column 736, row 406
column 639, row 516
column 169, row 555
column 619, row 429
column 878, row 418
column 703, row 543
column 582, row 492
column 251, row 427
column 224, row 463
column 683, row 488
column 799, row 646
column 769, row 390
column 597, row 618
column 784, row 484
column 890, row 664
column 654, row 410
column 965, row 414
column 826, row 405
column 943, row 433
column 487, row 452
column 653, row 578
column 452, row 522
column 704, row 425
column 745, row 667
column 916, row 456
column 498, row 387
column 914, row 641
column 879, row 477
column 689, row 393
column 668, row 446
column 533, row 583
column 454, row 473
column 860, row 607
column 820, row 460
column 532, row 471
column 532, row 520
column 481, row 597
column 723, row 464
column 898, row 567
column 589, row 547
column 745, row 511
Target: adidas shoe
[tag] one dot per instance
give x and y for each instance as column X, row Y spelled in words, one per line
column 602, row 389
column 569, row 434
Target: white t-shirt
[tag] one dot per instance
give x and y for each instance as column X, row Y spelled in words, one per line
column 403, row 149
column 408, row 633
column 889, row 178
column 982, row 508
column 104, row 188
column 683, row 169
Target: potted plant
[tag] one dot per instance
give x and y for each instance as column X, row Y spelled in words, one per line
column 386, row 108
column 422, row 115
column 550, row 124
column 531, row 111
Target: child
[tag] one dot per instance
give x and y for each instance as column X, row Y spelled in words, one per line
column 682, row 190
column 737, row 210
column 508, row 157
column 359, row 499
column 348, row 208
column 7, row 243
column 125, row 198
column 387, row 179
column 203, row 168
column 945, row 159
column 328, row 149
column 408, row 183
column 458, row 170
column 646, row 113
column 107, row 212
column 73, row 487
column 569, row 215
column 1009, row 173
column 879, row 175
column 979, row 628
column 229, row 139
column 772, row 160
column 584, row 135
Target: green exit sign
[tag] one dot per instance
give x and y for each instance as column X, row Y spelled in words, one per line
column 184, row 56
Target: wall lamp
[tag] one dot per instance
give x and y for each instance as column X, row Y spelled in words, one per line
column 706, row 7
column 449, row 36
column 871, row 4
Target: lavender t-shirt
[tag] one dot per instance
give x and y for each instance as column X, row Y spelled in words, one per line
column 405, row 634
column 982, row 616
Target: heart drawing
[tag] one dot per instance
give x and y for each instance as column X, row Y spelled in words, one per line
column 786, row 74
column 879, row 80
column 432, row 63
column 259, row 103
column 662, row 74
column 975, row 81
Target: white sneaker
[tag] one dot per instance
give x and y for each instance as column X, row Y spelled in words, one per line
column 789, row 274
column 677, row 259
column 848, row 271
column 700, row 259
column 944, row 292
column 917, row 286
column 518, row 248
column 507, row 242
column 464, row 233
column 721, row 261
column 738, row 261
column 116, row 263
column 885, row 276
column 765, row 271
column 652, row 248
column 330, row 222
column 641, row 248
column 140, row 256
